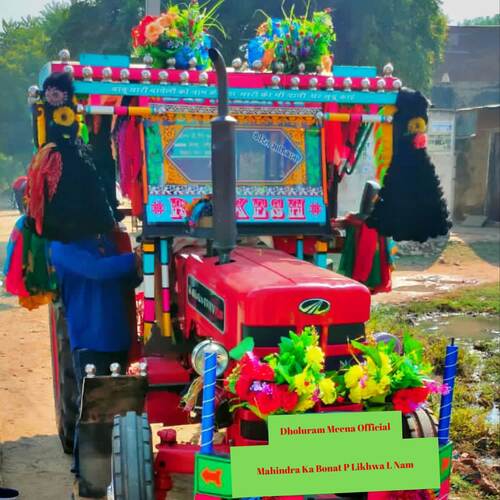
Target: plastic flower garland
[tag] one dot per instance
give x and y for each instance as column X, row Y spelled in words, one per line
column 179, row 33
column 294, row 381
column 295, row 40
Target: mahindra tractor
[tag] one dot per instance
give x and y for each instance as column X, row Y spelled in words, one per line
column 230, row 164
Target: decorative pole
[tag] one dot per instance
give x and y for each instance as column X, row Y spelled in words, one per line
column 450, row 372
column 208, row 406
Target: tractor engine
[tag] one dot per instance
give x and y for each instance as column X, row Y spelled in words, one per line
column 265, row 294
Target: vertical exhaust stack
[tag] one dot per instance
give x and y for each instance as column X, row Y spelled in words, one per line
column 223, row 168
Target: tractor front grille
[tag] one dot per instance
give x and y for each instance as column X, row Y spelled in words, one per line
column 338, row 335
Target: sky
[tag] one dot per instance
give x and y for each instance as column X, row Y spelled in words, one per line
column 456, row 10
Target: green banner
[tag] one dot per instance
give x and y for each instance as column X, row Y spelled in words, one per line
column 335, row 453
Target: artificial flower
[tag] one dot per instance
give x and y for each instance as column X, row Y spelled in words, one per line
column 302, row 384
column 153, row 32
column 327, row 394
column 138, row 32
column 64, row 116
column 436, row 388
column 410, row 400
column 289, row 399
column 305, row 403
column 353, row 375
column 315, row 357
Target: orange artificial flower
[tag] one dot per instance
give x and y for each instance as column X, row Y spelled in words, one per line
column 153, row 32
column 267, row 58
column 168, row 19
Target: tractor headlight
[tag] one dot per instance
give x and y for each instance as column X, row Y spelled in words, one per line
column 198, row 356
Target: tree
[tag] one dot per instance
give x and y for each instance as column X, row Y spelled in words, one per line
column 482, row 21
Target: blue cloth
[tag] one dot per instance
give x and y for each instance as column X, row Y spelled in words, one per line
column 92, row 281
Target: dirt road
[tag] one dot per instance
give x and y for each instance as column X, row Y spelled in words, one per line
column 32, row 460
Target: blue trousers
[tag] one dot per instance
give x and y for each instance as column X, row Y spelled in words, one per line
column 101, row 361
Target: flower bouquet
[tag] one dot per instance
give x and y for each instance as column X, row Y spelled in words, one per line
column 291, row 381
column 294, row 381
column 180, row 34
column 294, row 44
column 387, row 380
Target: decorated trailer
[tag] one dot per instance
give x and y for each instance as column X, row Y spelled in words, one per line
column 234, row 175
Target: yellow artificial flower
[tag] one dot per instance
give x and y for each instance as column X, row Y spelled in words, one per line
column 315, row 357
column 64, row 116
column 304, row 404
column 173, row 33
column 353, row 375
column 302, row 385
column 327, row 392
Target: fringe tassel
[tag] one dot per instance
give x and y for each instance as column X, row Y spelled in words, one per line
column 383, row 145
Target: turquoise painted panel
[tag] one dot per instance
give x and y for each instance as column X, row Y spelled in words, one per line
column 105, row 60
column 275, row 95
column 163, row 252
column 149, row 263
column 355, row 71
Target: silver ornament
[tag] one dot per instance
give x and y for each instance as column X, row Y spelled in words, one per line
column 87, row 73
column 381, row 84
column 237, row 64
column 203, row 78
column 192, row 64
column 365, row 84
column 64, row 55
column 280, row 68
column 125, row 75
column 313, row 83
column 146, row 76
column 107, row 74
column 275, row 82
column 257, row 65
column 171, row 62
column 295, row 82
column 148, row 60
column 330, row 83
column 397, row 84
column 347, row 84
column 388, row 69
column 184, row 78
column 163, row 76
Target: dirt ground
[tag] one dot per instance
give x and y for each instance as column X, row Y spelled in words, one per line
column 31, row 459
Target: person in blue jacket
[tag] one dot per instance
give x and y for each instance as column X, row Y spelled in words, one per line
column 93, row 279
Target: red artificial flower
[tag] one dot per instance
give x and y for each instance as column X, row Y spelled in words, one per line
column 267, row 401
column 242, row 386
column 139, row 31
column 288, row 400
column 409, row 400
column 252, row 367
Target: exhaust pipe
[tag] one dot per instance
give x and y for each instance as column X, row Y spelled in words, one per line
column 223, row 168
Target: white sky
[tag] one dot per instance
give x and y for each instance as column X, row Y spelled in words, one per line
column 456, row 10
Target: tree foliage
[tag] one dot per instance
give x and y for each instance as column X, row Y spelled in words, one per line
column 482, row 21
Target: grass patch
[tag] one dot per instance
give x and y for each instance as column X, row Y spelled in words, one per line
column 478, row 369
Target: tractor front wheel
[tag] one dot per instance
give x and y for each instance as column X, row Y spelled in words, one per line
column 132, row 459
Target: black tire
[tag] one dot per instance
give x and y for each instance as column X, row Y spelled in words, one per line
column 420, row 424
column 132, row 458
column 65, row 388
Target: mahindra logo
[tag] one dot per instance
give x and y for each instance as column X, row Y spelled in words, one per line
column 314, row 306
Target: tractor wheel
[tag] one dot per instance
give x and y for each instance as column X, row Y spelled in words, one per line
column 132, row 475
column 420, row 424
column 63, row 377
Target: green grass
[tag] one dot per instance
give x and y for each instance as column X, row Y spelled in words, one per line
column 478, row 370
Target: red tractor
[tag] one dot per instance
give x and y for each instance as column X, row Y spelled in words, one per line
column 217, row 292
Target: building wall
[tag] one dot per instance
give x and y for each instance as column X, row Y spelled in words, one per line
column 473, row 163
